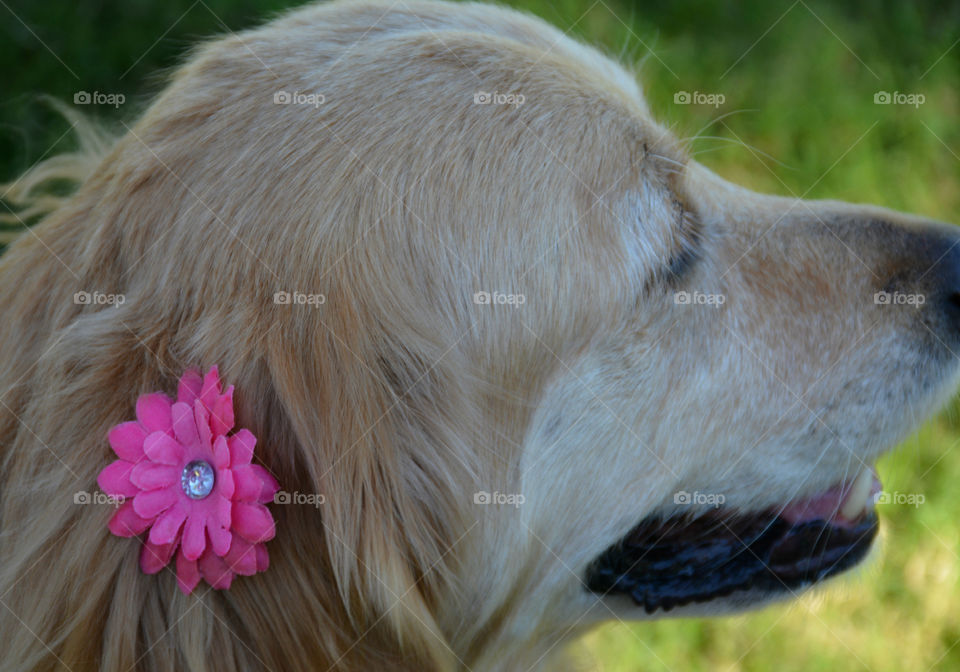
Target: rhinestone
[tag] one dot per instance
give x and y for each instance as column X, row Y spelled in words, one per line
column 197, row 479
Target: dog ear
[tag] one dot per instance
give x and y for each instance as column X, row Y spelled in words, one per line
column 329, row 421
column 363, row 414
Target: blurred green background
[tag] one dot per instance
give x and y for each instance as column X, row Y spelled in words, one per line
column 798, row 117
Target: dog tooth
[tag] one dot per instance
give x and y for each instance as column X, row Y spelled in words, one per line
column 856, row 500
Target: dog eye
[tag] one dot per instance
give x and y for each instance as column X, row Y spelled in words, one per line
column 689, row 245
column 682, row 262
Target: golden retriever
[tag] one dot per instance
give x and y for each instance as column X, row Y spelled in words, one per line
column 518, row 363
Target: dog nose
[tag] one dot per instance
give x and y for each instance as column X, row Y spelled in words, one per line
column 949, row 280
column 929, row 277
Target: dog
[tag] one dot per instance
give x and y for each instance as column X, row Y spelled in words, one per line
column 536, row 366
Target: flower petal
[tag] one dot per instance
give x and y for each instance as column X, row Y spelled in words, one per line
column 263, row 558
column 163, row 448
column 188, row 389
column 184, row 424
column 242, row 558
column 225, row 485
column 241, row 447
column 225, row 512
column 221, row 413
column 188, row 574
column 220, row 536
column 247, row 483
column 154, row 557
column 211, row 387
column 126, row 523
column 202, row 418
column 114, row 479
column 150, row 475
column 153, row 412
column 253, row 522
column 194, row 540
column 166, row 530
column 126, row 439
column 215, row 571
column 270, row 484
column 151, row 503
column 221, row 453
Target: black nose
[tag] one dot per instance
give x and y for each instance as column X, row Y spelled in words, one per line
column 926, row 275
column 948, row 276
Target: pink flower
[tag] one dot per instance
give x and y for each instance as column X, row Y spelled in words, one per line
column 192, row 486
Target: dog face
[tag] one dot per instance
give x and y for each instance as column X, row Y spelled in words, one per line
column 561, row 372
column 802, row 323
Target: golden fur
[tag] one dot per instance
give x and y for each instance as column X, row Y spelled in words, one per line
column 399, row 397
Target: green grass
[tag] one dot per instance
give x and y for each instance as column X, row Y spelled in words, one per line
column 802, row 92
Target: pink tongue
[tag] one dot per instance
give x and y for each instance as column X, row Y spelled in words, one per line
column 827, row 505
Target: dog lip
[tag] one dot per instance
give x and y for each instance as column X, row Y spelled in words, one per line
column 666, row 562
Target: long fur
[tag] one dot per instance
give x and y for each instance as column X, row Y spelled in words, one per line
column 398, row 398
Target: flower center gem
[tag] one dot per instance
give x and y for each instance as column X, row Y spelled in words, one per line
column 197, row 479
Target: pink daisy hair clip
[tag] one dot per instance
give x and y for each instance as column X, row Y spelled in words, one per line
column 194, row 488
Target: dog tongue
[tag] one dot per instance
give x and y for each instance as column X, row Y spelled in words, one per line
column 843, row 504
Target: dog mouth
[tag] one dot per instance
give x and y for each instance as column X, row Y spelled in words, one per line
column 671, row 561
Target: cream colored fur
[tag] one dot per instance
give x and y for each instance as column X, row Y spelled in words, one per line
column 399, row 398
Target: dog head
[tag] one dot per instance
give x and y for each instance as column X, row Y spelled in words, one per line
column 543, row 368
